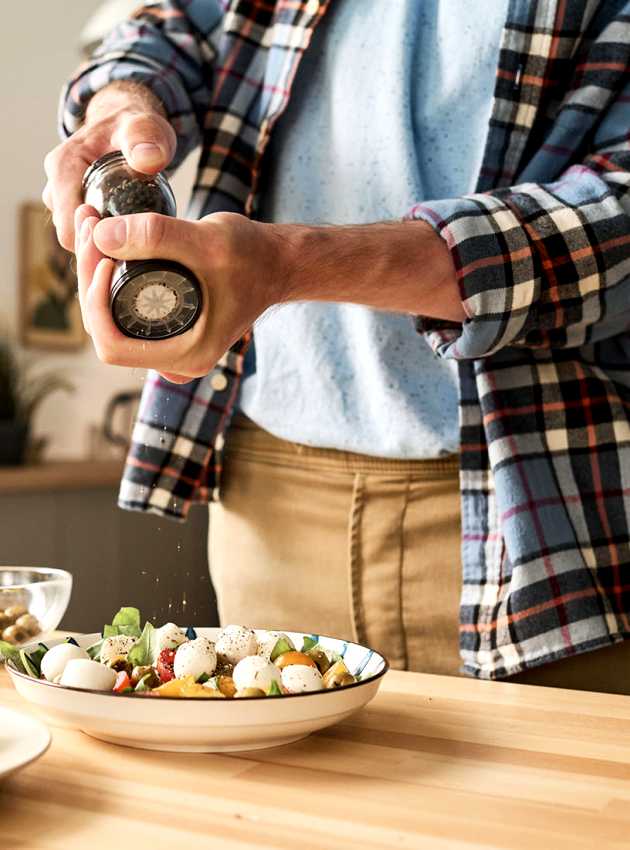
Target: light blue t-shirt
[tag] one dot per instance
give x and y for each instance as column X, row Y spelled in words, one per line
column 390, row 106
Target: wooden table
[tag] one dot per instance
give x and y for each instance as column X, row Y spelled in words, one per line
column 432, row 762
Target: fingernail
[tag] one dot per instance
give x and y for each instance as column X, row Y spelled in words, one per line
column 112, row 234
column 86, row 230
column 147, row 151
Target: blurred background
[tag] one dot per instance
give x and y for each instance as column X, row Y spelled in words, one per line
column 65, row 418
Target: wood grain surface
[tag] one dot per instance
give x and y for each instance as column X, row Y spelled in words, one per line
column 433, row 762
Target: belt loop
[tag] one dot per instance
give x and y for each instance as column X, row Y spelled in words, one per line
column 354, row 544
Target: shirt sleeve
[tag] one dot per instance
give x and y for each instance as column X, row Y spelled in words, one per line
column 168, row 46
column 542, row 264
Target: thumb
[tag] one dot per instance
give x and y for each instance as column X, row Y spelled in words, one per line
column 147, row 141
column 144, row 236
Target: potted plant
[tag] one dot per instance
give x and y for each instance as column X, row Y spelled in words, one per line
column 20, row 395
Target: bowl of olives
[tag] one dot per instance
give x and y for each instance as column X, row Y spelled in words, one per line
column 32, row 602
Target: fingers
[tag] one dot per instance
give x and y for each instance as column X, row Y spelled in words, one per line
column 88, row 256
column 65, row 167
column 147, row 140
column 147, row 236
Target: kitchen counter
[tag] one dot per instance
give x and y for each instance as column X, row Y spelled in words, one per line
column 433, row 762
column 63, row 475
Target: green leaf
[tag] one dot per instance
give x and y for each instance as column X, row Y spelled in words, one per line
column 274, row 689
column 309, row 643
column 205, row 678
column 28, row 665
column 126, row 622
column 11, row 653
column 127, row 617
column 35, row 657
column 94, row 651
column 143, row 652
column 282, row 645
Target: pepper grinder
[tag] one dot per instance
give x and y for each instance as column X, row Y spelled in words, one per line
column 150, row 299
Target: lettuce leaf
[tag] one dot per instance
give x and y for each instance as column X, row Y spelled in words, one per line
column 126, row 622
column 143, row 653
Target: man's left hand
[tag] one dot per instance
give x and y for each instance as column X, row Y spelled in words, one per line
column 234, row 259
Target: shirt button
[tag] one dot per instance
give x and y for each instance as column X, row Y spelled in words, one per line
column 218, row 381
column 312, row 7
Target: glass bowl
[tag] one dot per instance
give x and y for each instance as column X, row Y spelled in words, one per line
column 44, row 593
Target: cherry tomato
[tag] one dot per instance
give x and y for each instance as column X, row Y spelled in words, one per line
column 165, row 662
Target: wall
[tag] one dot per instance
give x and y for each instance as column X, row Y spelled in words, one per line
column 38, row 49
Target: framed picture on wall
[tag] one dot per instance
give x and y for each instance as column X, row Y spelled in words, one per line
column 50, row 316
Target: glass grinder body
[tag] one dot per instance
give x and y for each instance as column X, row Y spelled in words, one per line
column 150, row 299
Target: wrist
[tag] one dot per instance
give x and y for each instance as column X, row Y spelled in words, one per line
column 122, row 96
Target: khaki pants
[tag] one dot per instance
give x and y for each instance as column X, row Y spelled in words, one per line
column 366, row 549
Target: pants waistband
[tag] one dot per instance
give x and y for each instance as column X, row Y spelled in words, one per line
column 247, row 440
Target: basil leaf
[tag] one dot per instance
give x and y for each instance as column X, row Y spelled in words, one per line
column 309, row 643
column 282, row 645
column 274, row 689
column 203, row 679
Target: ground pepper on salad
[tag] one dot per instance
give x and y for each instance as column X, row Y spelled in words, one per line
column 175, row 662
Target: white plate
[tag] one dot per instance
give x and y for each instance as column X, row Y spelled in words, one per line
column 194, row 725
column 22, row 740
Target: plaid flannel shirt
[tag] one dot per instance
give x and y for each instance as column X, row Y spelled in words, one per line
column 542, row 253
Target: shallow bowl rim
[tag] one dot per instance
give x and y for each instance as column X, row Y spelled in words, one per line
column 136, row 697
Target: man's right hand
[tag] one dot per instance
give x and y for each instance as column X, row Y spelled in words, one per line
column 125, row 117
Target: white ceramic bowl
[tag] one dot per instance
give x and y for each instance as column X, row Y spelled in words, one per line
column 44, row 592
column 199, row 725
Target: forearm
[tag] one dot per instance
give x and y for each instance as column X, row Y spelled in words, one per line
column 402, row 267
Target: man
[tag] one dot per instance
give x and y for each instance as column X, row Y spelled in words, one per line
column 340, row 504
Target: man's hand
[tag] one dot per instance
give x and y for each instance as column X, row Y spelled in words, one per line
column 237, row 262
column 123, row 116
column 245, row 266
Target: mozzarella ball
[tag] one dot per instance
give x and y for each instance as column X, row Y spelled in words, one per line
column 168, row 636
column 298, row 679
column 235, row 643
column 55, row 660
column 255, row 672
column 88, row 675
column 194, row 658
column 268, row 640
column 116, row 646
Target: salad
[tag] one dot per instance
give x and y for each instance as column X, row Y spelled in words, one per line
column 175, row 662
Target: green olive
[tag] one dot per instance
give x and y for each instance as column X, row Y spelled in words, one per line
column 320, row 658
column 338, row 676
column 119, row 663
column 249, row 692
column 139, row 672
